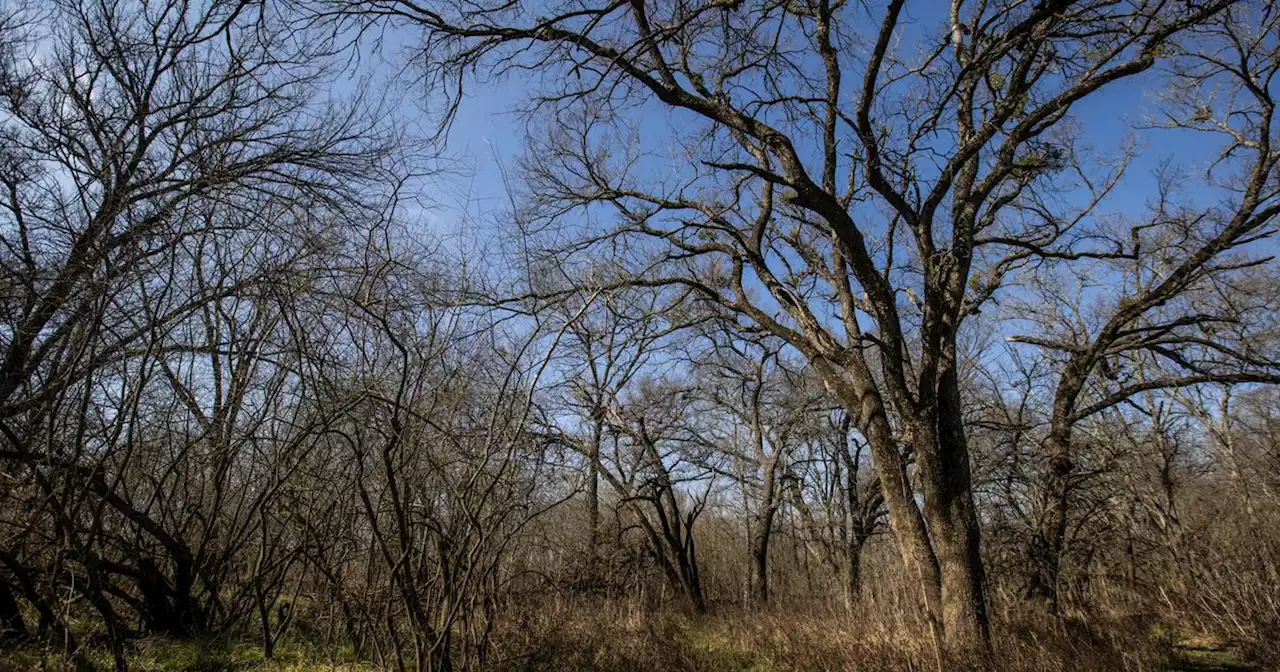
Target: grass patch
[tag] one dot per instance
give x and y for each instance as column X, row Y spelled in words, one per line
column 717, row 650
column 1205, row 654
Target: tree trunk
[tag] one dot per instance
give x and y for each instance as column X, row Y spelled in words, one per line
column 12, row 626
column 763, row 530
column 593, row 499
column 853, row 570
column 760, row 559
column 945, row 557
column 693, row 589
column 863, row 402
column 964, row 610
column 1051, row 529
column 264, row 620
column 689, row 570
column 942, row 461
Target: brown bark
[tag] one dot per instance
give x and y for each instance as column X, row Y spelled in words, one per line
column 942, row 458
column 863, row 402
column 954, row 522
column 762, row 531
column 593, row 496
column 1049, row 537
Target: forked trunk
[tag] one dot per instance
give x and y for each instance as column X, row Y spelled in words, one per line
column 905, row 519
column 943, row 558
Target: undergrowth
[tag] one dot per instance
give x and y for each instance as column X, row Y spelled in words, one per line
column 583, row 636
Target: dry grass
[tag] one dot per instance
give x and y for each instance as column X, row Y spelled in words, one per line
column 167, row 655
column 610, row 636
column 580, row 634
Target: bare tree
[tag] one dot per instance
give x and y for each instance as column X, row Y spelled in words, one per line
column 1186, row 307
column 610, row 343
column 839, row 503
column 142, row 141
column 655, row 479
column 748, row 382
column 849, row 191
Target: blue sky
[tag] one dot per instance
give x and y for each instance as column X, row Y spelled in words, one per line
column 467, row 204
column 488, row 133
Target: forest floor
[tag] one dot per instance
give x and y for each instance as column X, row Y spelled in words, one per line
column 734, row 642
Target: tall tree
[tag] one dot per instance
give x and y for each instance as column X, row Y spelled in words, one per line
column 852, row 183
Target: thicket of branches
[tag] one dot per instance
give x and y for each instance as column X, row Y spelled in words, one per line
column 811, row 305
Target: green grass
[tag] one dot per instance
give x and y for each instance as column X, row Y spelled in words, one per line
column 718, row 651
column 1200, row 654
